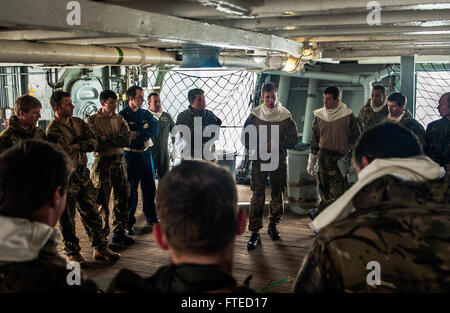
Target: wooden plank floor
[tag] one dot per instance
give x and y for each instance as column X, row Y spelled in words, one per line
column 272, row 263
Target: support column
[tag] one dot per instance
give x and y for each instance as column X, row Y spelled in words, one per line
column 284, row 86
column 310, row 105
column 408, row 81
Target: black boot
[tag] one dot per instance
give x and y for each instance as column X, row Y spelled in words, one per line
column 121, row 238
column 254, row 241
column 273, row 231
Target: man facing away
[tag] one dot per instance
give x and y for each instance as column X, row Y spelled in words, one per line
column 34, row 177
column 138, row 156
column 389, row 232
column 268, row 116
column 22, row 125
column 334, row 131
column 109, row 169
column 398, row 114
column 437, row 136
column 375, row 110
column 197, row 141
column 200, row 219
column 160, row 151
column 76, row 137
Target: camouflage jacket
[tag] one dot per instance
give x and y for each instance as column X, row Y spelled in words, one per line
column 288, row 133
column 353, row 133
column 437, row 141
column 404, row 226
column 193, row 278
column 79, row 133
column 118, row 134
column 15, row 133
column 409, row 122
column 367, row 117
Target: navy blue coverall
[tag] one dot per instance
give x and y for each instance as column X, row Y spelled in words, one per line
column 140, row 163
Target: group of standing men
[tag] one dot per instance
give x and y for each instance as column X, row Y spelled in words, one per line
column 122, row 144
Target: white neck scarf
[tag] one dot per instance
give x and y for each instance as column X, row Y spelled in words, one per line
column 334, row 114
column 157, row 115
column 378, row 109
column 419, row 169
column 21, row 240
column 277, row 114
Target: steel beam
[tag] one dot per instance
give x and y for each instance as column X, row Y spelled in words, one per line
column 354, row 53
column 394, row 17
column 112, row 20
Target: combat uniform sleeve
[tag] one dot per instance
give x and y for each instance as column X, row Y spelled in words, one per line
column 431, row 146
column 291, row 135
column 317, row 273
column 315, row 136
column 123, row 138
column 55, row 135
column 171, row 122
column 87, row 142
column 244, row 135
column 354, row 131
column 420, row 132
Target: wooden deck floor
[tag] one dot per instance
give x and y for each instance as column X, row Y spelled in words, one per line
column 272, row 264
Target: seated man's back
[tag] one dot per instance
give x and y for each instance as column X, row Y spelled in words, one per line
column 197, row 204
column 33, row 180
column 389, row 232
column 395, row 224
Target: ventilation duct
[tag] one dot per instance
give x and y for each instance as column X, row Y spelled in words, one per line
column 197, row 56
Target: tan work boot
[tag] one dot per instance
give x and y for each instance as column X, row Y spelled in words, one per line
column 105, row 255
column 77, row 258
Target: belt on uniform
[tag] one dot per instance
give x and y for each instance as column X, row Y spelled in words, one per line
column 136, row 150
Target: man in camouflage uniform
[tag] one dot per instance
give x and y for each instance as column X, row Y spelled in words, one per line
column 398, row 114
column 197, row 111
column 22, row 125
column 271, row 114
column 33, row 179
column 109, row 169
column 334, row 131
column 199, row 225
column 160, row 151
column 395, row 237
column 375, row 110
column 437, row 136
column 77, row 138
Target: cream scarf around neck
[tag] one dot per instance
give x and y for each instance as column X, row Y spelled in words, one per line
column 418, row 169
column 21, row 240
column 277, row 114
column 378, row 109
column 334, row 114
column 157, row 115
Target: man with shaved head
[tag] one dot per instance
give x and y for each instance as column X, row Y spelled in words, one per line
column 437, row 137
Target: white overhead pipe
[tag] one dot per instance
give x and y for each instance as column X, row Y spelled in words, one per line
column 26, row 52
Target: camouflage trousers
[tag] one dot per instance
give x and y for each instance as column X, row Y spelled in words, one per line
column 331, row 183
column 258, row 181
column 109, row 173
column 81, row 198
